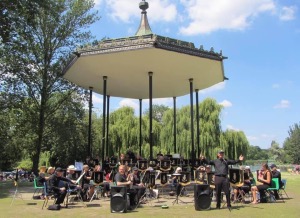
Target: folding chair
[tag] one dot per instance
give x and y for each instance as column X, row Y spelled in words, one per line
column 47, row 196
column 37, row 188
column 274, row 187
column 74, row 193
column 282, row 189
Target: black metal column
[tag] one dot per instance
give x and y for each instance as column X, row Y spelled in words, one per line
column 150, row 114
column 89, row 148
column 174, row 118
column 107, row 126
column 103, row 117
column 140, row 139
column 192, row 119
column 197, row 122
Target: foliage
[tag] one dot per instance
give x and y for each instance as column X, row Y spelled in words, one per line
column 291, row 144
column 32, row 61
column 256, row 153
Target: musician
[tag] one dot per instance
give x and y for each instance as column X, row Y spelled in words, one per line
column 246, row 187
column 88, row 189
column 221, row 176
column 106, row 186
column 265, row 178
column 57, row 184
column 71, row 176
column 121, row 180
column 134, row 177
column 50, row 171
column 175, row 180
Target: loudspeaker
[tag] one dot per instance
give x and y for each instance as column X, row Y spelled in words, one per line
column 118, row 199
column 202, row 197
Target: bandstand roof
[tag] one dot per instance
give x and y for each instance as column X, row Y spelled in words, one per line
column 127, row 61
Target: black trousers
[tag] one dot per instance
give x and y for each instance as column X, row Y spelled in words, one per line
column 60, row 197
column 222, row 183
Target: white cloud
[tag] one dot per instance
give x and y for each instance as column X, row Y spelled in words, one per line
column 226, row 103
column 287, row 13
column 275, row 86
column 232, row 128
column 283, row 104
column 207, row 16
column 98, row 3
column 252, row 138
column 213, row 88
column 125, row 10
column 129, row 102
column 97, row 99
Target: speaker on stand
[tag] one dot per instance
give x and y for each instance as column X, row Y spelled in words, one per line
column 202, row 197
column 118, row 199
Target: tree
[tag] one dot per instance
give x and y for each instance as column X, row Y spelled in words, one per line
column 234, row 144
column 276, row 153
column 210, row 127
column 291, row 144
column 256, row 153
column 157, row 112
column 33, row 59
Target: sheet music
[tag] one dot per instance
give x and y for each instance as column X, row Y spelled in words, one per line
column 78, row 165
column 78, row 180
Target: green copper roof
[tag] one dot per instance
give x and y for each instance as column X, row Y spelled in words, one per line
column 144, row 28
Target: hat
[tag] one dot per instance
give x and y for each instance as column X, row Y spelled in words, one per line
column 59, row 169
column 272, row 166
column 50, row 168
column 221, row 151
column 134, row 168
column 247, row 168
column 71, row 167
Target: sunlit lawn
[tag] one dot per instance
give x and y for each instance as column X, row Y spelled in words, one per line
column 101, row 208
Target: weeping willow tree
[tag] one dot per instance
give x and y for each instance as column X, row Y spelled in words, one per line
column 210, row 127
column 123, row 130
column 234, row 143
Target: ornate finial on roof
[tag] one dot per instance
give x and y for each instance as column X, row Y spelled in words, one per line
column 144, row 28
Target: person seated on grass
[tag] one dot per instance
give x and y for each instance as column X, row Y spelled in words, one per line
column 265, row 179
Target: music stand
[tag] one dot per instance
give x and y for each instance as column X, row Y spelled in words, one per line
column 201, row 177
column 163, row 181
column 142, row 165
column 177, row 200
column 153, row 163
column 185, row 179
column 211, row 179
column 16, row 193
column 165, row 165
column 98, row 181
column 236, row 179
column 174, row 161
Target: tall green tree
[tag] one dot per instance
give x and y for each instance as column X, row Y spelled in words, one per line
column 210, row 127
column 234, row 144
column 33, row 59
column 256, row 153
column 291, row 144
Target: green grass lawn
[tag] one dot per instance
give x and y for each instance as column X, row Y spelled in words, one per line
column 101, row 208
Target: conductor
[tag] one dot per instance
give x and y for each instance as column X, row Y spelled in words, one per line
column 221, row 176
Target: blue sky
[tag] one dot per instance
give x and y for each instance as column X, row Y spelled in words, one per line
column 261, row 39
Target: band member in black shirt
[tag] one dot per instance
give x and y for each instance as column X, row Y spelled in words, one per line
column 58, row 185
column 221, row 176
column 121, row 180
